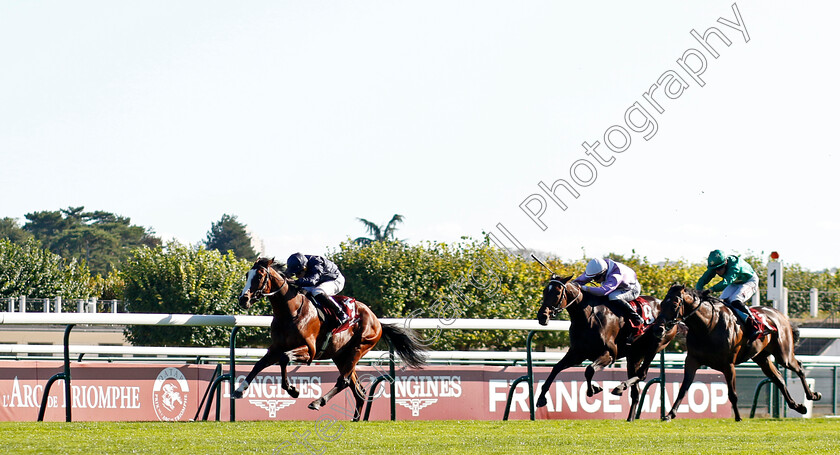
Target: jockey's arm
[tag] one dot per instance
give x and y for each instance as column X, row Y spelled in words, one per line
column 610, row 284
column 704, row 280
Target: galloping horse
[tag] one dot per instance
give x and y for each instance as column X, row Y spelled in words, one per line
column 297, row 334
column 715, row 339
column 592, row 335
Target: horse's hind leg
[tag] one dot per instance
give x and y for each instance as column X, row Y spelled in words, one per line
column 788, row 360
column 598, row 365
column 763, row 360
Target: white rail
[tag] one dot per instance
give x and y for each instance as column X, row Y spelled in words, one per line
column 265, row 321
column 256, row 353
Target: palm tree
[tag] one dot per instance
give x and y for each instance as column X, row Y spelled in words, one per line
column 379, row 233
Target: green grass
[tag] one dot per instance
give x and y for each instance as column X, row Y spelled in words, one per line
column 758, row 436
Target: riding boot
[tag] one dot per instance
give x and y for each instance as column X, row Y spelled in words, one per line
column 633, row 319
column 328, row 302
column 750, row 324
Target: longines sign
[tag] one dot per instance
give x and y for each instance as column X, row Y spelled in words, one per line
column 151, row 392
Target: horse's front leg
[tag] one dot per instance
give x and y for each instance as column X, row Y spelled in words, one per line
column 571, row 359
column 593, row 389
column 300, row 354
column 689, row 371
column 271, row 357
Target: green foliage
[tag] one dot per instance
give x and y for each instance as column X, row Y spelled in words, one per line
column 32, row 271
column 100, row 238
column 9, row 229
column 177, row 279
column 437, row 280
column 228, row 234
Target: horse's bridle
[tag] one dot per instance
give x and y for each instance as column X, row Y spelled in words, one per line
column 682, row 317
column 258, row 294
column 554, row 308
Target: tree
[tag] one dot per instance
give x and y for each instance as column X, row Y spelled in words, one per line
column 10, row 230
column 382, row 233
column 101, row 239
column 228, row 234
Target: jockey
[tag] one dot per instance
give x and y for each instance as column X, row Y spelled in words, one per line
column 320, row 277
column 739, row 282
column 618, row 283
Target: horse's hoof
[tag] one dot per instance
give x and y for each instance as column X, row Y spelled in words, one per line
column 316, row 405
column 293, row 392
column 619, row 390
column 666, row 419
column 541, row 402
column 817, row 396
column 595, row 390
column 800, row 408
column 236, row 394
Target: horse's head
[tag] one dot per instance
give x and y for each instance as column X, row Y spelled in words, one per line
column 679, row 303
column 259, row 282
column 557, row 295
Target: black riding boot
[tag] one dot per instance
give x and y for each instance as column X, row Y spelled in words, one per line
column 750, row 324
column 632, row 319
column 328, row 302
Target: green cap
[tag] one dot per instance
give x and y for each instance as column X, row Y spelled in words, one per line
column 716, row 259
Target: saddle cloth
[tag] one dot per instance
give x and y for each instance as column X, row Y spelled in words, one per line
column 347, row 303
column 642, row 306
column 764, row 325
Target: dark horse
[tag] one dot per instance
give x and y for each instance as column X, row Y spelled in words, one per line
column 716, row 339
column 297, row 334
column 592, row 335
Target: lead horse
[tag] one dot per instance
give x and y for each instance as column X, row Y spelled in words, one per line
column 716, row 339
column 592, row 336
column 298, row 334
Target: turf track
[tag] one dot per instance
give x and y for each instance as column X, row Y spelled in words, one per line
column 427, row 437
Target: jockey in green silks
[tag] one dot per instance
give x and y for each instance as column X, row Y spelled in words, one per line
column 738, row 282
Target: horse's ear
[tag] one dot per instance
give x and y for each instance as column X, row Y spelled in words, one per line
column 566, row 279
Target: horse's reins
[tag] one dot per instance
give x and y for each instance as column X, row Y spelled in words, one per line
column 683, row 317
column 260, row 294
column 562, row 295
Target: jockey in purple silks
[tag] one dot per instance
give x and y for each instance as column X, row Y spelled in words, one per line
column 618, row 284
column 320, row 277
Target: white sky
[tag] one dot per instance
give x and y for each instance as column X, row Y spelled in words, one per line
column 299, row 117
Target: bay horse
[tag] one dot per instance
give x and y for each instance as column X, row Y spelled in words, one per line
column 298, row 334
column 716, row 339
column 593, row 336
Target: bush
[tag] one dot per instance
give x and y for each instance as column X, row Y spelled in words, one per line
column 29, row 270
column 447, row 282
column 177, row 279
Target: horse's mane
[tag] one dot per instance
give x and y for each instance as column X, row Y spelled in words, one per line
column 270, row 262
column 703, row 297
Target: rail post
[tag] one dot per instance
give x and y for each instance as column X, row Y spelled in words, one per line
column 233, row 372
column 661, row 381
column 755, row 396
column 68, row 397
column 528, row 377
column 391, row 377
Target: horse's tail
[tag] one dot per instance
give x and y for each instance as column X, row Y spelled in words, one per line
column 405, row 342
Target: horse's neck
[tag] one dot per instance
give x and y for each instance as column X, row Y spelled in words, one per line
column 582, row 310
column 704, row 318
column 287, row 303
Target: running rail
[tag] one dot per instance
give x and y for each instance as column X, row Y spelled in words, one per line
column 237, row 321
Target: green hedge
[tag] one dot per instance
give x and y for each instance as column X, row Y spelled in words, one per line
column 178, row 279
